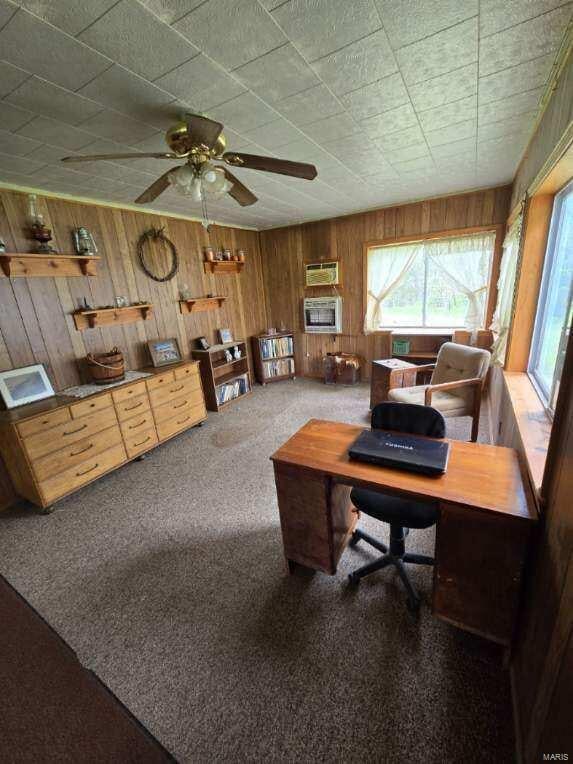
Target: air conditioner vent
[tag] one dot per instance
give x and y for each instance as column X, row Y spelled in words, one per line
column 321, row 274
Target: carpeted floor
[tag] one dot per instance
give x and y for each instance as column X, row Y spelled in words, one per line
column 167, row 579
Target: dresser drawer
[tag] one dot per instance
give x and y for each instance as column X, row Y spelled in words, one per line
column 137, row 424
column 130, row 408
column 129, row 391
column 158, row 380
column 43, row 422
column 176, row 406
column 76, row 453
column 192, row 370
column 140, row 442
column 70, row 432
column 82, row 473
column 189, row 416
column 90, row 405
column 177, row 389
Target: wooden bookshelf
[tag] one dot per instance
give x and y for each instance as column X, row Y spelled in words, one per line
column 89, row 319
column 14, row 265
column 261, row 360
column 217, row 371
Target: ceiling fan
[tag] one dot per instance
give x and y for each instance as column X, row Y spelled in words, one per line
column 200, row 141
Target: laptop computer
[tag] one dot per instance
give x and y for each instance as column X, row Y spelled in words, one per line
column 401, row 451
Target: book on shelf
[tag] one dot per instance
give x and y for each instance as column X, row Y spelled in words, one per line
column 275, row 347
column 232, row 389
column 279, row 368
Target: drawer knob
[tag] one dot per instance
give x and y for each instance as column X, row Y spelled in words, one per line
column 82, row 450
column 85, row 472
column 79, row 429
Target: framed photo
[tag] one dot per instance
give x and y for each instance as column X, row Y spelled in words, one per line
column 203, row 344
column 164, row 352
column 25, row 385
column 225, row 335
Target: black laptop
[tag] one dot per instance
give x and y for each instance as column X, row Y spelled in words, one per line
column 401, row 451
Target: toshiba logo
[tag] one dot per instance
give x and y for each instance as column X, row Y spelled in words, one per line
column 400, row 445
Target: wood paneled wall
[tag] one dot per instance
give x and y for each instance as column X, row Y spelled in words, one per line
column 35, row 314
column 284, row 250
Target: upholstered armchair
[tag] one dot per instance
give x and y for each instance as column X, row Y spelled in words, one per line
column 456, row 384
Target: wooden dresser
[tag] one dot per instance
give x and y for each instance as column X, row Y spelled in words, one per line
column 54, row 447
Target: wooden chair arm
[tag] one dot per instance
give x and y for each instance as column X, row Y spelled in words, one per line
column 431, row 389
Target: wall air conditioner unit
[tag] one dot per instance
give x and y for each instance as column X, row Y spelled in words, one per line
column 321, row 274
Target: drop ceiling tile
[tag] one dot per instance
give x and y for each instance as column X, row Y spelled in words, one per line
column 445, row 88
column 332, row 128
column 69, row 16
column 37, row 47
column 12, row 117
column 440, row 53
column 201, row 82
column 531, row 39
column 422, row 163
column 10, row 78
column 465, row 147
column 123, row 91
column 117, row 127
column 245, row 112
column 508, row 107
column 515, row 124
column 365, row 61
column 496, row 15
column 458, row 132
column 231, row 32
column 50, row 154
column 274, row 135
column 132, row 36
column 170, row 11
column 406, row 21
column 7, row 10
column 380, row 96
column 19, row 164
column 309, row 106
column 278, row 74
column 516, row 79
column 50, row 100
column 390, row 122
column 18, row 145
column 401, row 139
column 507, row 146
column 416, row 151
column 450, row 114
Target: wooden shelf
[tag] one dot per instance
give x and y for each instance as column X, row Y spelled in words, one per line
column 414, row 354
column 217, row 371
column 261, row 361
column 200, row 304
column 89, row 319
column 22, row 265
column 222, row 266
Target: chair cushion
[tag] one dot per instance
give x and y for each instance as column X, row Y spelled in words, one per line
column 391, row 509
column 448, row 403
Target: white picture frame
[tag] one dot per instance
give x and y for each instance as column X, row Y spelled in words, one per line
column 25, row 385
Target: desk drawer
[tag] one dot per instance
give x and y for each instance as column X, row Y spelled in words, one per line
column 129, row 391
column 158, row 380
column 175, row 407
column 192, row 370
column 82, row 473
column 140, row 442
column 76, row 453
column 43, row 422
column 90, row 405
column 131, row 408
column 70, row 432
column 176, row 389
column 187, row 417
column 138, row 423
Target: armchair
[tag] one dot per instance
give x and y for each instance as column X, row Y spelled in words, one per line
column 456, row 384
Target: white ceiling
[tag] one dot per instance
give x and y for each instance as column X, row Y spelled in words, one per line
column 391, row 99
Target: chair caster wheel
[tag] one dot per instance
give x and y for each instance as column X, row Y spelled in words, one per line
column 47, row 510
column 353, row 579
column 354, row 539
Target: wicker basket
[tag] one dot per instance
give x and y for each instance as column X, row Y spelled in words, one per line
column 106, row 368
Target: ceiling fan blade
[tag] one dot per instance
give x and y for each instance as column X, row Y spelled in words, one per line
column 239, row 192
column 270, row 164
column 203, row 131
column 111, row 157
column 157, row 187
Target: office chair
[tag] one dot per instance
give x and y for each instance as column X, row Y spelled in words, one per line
column 400, row 514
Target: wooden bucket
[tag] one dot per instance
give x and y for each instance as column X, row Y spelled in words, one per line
column 105, row 368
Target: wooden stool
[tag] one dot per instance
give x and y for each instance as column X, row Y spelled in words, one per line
column 388, row 374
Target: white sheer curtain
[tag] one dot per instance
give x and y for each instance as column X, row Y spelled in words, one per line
column 505, row 289
column 386, row 266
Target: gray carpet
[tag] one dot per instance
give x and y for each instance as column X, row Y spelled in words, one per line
column 167, row 578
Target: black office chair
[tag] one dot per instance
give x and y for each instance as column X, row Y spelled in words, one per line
column 400, row 514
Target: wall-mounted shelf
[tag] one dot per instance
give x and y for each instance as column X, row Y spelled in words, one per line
column 20, row 264
column 222, row 266
column 201, row 304
column 88, row 319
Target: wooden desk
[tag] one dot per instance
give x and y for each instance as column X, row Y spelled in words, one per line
column 484, row 524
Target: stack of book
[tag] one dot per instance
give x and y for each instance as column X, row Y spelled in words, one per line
column 233, row 389
column 279, row 368
column 276, row 347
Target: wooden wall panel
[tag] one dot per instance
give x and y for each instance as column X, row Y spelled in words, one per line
column 35, row 321
column 284, row 250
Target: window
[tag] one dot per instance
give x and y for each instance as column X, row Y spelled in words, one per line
column 554, row 310
column 436, row 283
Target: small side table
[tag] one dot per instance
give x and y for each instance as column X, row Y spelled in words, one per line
column 388, row 374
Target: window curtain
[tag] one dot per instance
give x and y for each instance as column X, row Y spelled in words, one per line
column 505, row 289
column 386, row 267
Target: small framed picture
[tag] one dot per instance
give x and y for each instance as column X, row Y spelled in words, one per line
column 25, row 385
column 164, row 352
column 225, row 335
column 203, row 344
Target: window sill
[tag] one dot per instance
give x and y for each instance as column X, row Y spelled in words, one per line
column 533, row 424
column 413, row 330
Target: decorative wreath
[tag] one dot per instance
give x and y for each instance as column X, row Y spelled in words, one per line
column 156, row 234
